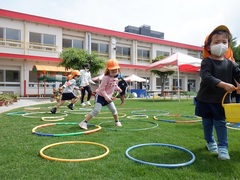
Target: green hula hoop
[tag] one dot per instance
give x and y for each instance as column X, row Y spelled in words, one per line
column 65, row 134
column 15, row 113
column 73, row 160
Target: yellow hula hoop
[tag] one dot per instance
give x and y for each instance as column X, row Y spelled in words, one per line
column 73, row 160
column 52, row 119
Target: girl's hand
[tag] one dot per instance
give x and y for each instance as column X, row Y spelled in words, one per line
column 109, row 100
column 227, row 86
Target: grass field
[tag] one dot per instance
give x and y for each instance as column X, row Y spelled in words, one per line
column 20, row 148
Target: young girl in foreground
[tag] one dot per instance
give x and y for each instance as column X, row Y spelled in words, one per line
column 104, row 93
column 217, row 73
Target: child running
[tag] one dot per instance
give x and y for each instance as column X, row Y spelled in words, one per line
column 217, row 72
column 68, row 94
column 104, row 93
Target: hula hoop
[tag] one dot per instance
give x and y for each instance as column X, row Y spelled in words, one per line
column 28, row 115
column 142, row 129
column 161, row 165
column 145, row 112
column 65, row 134
column 52, row 119
column 15, row 113
column 73, row 160
column 177, row 121
column 234, row 126
column 140, row 116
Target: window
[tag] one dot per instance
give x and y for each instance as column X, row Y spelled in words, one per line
column 175, row 84
column 10, row 78
column 13, row 34
column 94, row 47
column 10, row 37
column 1, row 33
column 162, row 53
column 42, row 38
column 35, row 37
column 124, row 52
column 103, row 48
column 72, row 43
column 143, row 54
column 1, row 76
column 100, row 48
column 40, row 41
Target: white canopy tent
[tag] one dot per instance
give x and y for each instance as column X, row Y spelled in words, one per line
column 135, row 78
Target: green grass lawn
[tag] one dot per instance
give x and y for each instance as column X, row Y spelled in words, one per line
column 20, row 148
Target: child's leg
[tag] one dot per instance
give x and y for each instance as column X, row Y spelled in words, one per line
column 97, row 108
column 208, row 130
column 60, row 103
column 221, row 131
column 111, row 106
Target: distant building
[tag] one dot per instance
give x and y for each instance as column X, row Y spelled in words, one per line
column 30, row 46
column 144, row 30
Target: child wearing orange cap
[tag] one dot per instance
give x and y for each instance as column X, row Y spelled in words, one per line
column 68, row 89
column 104, row 93
column 217, row 72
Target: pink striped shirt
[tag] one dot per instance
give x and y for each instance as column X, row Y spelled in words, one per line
column 107, row 87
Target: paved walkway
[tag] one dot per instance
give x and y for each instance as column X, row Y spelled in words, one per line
column 24, row 102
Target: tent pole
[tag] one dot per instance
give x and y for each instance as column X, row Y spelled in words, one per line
column 178, row 84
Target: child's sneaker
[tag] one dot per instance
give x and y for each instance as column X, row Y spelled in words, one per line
column 118, row 123
column 83, row 104
column 223, row 154
column 88, row 103
column 53, row 111
column 212, row 147
column 70, row 106
column 83, row 125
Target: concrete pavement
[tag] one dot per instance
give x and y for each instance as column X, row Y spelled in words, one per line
column 23, row 102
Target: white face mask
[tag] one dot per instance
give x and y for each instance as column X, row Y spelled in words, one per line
column 219, row 49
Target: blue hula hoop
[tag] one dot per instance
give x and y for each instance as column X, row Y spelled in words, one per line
column 157, row 164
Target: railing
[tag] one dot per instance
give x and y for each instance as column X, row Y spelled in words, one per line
column 11, row 43
column 44, row 47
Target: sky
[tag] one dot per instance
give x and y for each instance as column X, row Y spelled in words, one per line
column 182, row 21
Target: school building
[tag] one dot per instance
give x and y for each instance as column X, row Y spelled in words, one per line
column 30, row 46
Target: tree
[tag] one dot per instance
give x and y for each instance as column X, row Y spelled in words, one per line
column 163, row 75
column 235, row 49
column 77, row 58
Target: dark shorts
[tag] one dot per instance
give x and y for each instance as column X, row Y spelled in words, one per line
column 68, row 96
column 101, row 100
column 123, row 91
column 209, row 110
